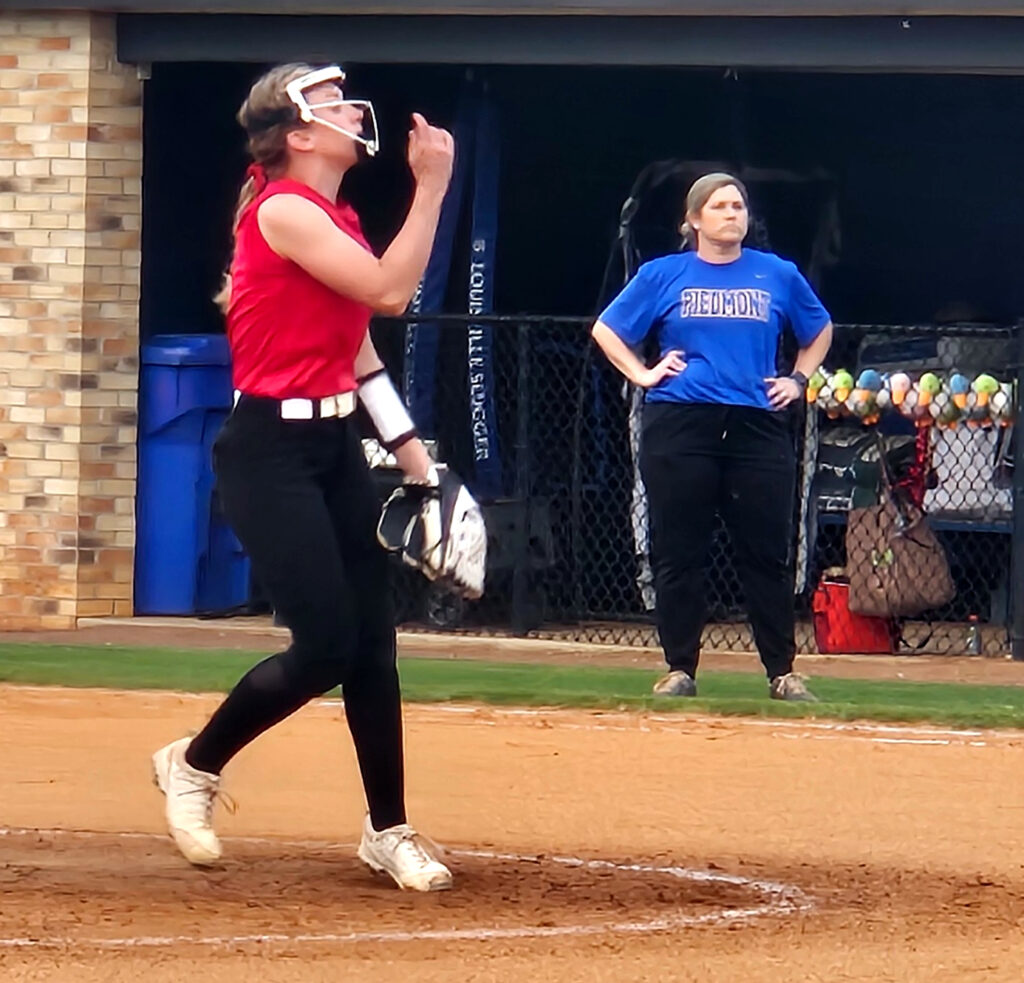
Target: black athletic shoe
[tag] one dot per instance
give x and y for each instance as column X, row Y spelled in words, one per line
column 791, row 687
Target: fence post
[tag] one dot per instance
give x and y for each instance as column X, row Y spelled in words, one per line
column 521, row 550
column 1017, row 547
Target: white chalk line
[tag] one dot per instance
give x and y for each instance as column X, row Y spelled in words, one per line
column 812, row 730
column 820, row 730
column 779, row 899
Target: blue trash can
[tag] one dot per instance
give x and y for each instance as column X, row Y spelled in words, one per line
column 187, row 559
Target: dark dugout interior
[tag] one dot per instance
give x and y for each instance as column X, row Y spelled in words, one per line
column 925, row 169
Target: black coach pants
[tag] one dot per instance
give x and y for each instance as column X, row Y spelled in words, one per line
column 299, row 496
column 699, row 459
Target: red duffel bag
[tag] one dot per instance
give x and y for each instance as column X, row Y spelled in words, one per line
column 837, row 630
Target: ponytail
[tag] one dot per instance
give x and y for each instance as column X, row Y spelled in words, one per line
column 255, row 181
column 267, row 116
column 223, row 296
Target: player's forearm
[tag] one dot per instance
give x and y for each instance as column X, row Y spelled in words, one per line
column 618, row 352
column 405, row 260
column 414, row 459
column 367, row 359
column 809, row 359
column 388, row 415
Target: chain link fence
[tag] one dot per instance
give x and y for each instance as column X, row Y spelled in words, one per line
column 544, row 432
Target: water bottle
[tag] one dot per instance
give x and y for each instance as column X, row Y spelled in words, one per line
column 973, row 636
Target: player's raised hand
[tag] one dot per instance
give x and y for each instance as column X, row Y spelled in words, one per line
column 431, row 155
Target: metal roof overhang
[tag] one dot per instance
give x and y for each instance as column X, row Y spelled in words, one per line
column 690, row 8
column 982, row 45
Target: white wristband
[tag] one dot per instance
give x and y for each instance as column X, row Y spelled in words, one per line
column 384, row 406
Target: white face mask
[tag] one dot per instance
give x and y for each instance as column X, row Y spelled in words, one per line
column 296, row 91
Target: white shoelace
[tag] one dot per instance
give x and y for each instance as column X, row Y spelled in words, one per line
column 411, row 844
column 792, row 682
column 211, row 792
column 410, row 848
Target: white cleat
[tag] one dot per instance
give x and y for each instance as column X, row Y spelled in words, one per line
column 408, row 858
column 190, row 796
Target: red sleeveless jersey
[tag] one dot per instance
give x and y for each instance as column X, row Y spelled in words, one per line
column 291, row 335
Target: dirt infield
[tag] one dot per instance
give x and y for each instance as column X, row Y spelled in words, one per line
column 586, row 846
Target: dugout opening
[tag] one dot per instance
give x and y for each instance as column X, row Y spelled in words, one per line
column 926, row 220
column 924, row 167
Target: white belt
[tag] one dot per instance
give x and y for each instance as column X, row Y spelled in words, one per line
column 339, row 405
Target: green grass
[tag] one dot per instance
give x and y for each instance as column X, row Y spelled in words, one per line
column 434, row 680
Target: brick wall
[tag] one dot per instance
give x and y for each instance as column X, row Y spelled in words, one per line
column 70, row 208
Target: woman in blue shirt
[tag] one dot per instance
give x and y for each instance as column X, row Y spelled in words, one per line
column 715, row 438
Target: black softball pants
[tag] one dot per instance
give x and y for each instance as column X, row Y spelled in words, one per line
column 301, row 501
column 697, row 460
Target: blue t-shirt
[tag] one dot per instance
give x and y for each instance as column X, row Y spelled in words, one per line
column 725, row 318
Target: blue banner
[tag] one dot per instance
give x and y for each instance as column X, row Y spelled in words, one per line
column 476, row 160
column 480, row 300
column 422, row 339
